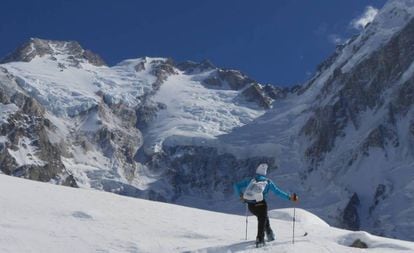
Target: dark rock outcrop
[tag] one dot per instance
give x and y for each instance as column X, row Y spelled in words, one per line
column 235, row 79
column 411, row 127
column 140, row 66
column 380, row 137
column 345, row 96
column 275, row 92
column 202, row 171
column 405, row 98
column 146, row 112
column 93, row 58
column 381, row 193
column 38, row 47
column 162, row 69
column 324, row 126
column 251, row 91
column 191, row 67
column 254, row 93
column 350, row 218
column 359, row 244
column 21, row 127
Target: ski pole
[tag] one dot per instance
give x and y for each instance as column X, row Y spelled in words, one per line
column 294, row 218
column 247, row 221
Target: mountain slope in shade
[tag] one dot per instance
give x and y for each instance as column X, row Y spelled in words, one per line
column 40, row 217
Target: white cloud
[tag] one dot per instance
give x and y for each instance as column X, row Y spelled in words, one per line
column 368, row 16
column 336, row 39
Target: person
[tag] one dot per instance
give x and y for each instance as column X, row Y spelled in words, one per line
column 254, row 192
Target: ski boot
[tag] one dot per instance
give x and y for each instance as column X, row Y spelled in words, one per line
column 270, row 236
column 260, row 242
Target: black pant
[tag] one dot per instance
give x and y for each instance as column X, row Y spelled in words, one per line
column 259, row 209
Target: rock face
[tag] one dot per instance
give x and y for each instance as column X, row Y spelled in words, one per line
column 162, row 69
column 252, row 91
column 201, row 171
column 351, row 218
column 192, row 67
column 227, row 79
column 255, row 94
column 357, row 129
column 275, row 92
column 38, row 47
column 381, row 193
column 345, row 95
column 25, row 150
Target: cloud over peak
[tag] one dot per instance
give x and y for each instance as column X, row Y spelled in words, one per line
column 367, row 17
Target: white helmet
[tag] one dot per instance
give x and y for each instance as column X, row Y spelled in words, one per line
column 262, row 169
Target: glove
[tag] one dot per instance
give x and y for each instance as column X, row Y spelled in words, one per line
column 294, row 197
column 241, row 198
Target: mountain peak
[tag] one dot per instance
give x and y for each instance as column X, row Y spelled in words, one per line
column 191, row 66
column 36, row 47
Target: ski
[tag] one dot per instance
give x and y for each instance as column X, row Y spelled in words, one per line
column 260, row 244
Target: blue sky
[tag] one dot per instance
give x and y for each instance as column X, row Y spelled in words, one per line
column 273, row 41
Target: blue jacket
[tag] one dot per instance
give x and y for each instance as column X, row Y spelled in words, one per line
column 242, row 185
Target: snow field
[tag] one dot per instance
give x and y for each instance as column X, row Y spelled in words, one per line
column 39, row 217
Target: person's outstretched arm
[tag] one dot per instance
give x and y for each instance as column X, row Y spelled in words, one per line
column 278, row 191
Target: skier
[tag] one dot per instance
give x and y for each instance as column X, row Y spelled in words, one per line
column 254, row 192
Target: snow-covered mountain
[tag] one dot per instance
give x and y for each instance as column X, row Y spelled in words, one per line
column 185, row 132
column 38, row 217
column 348, row 133
column 73, row 120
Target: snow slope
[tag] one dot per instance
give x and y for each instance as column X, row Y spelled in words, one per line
column 5, row 111
column 193, row 110
column 38, row 217
column 68, row 90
